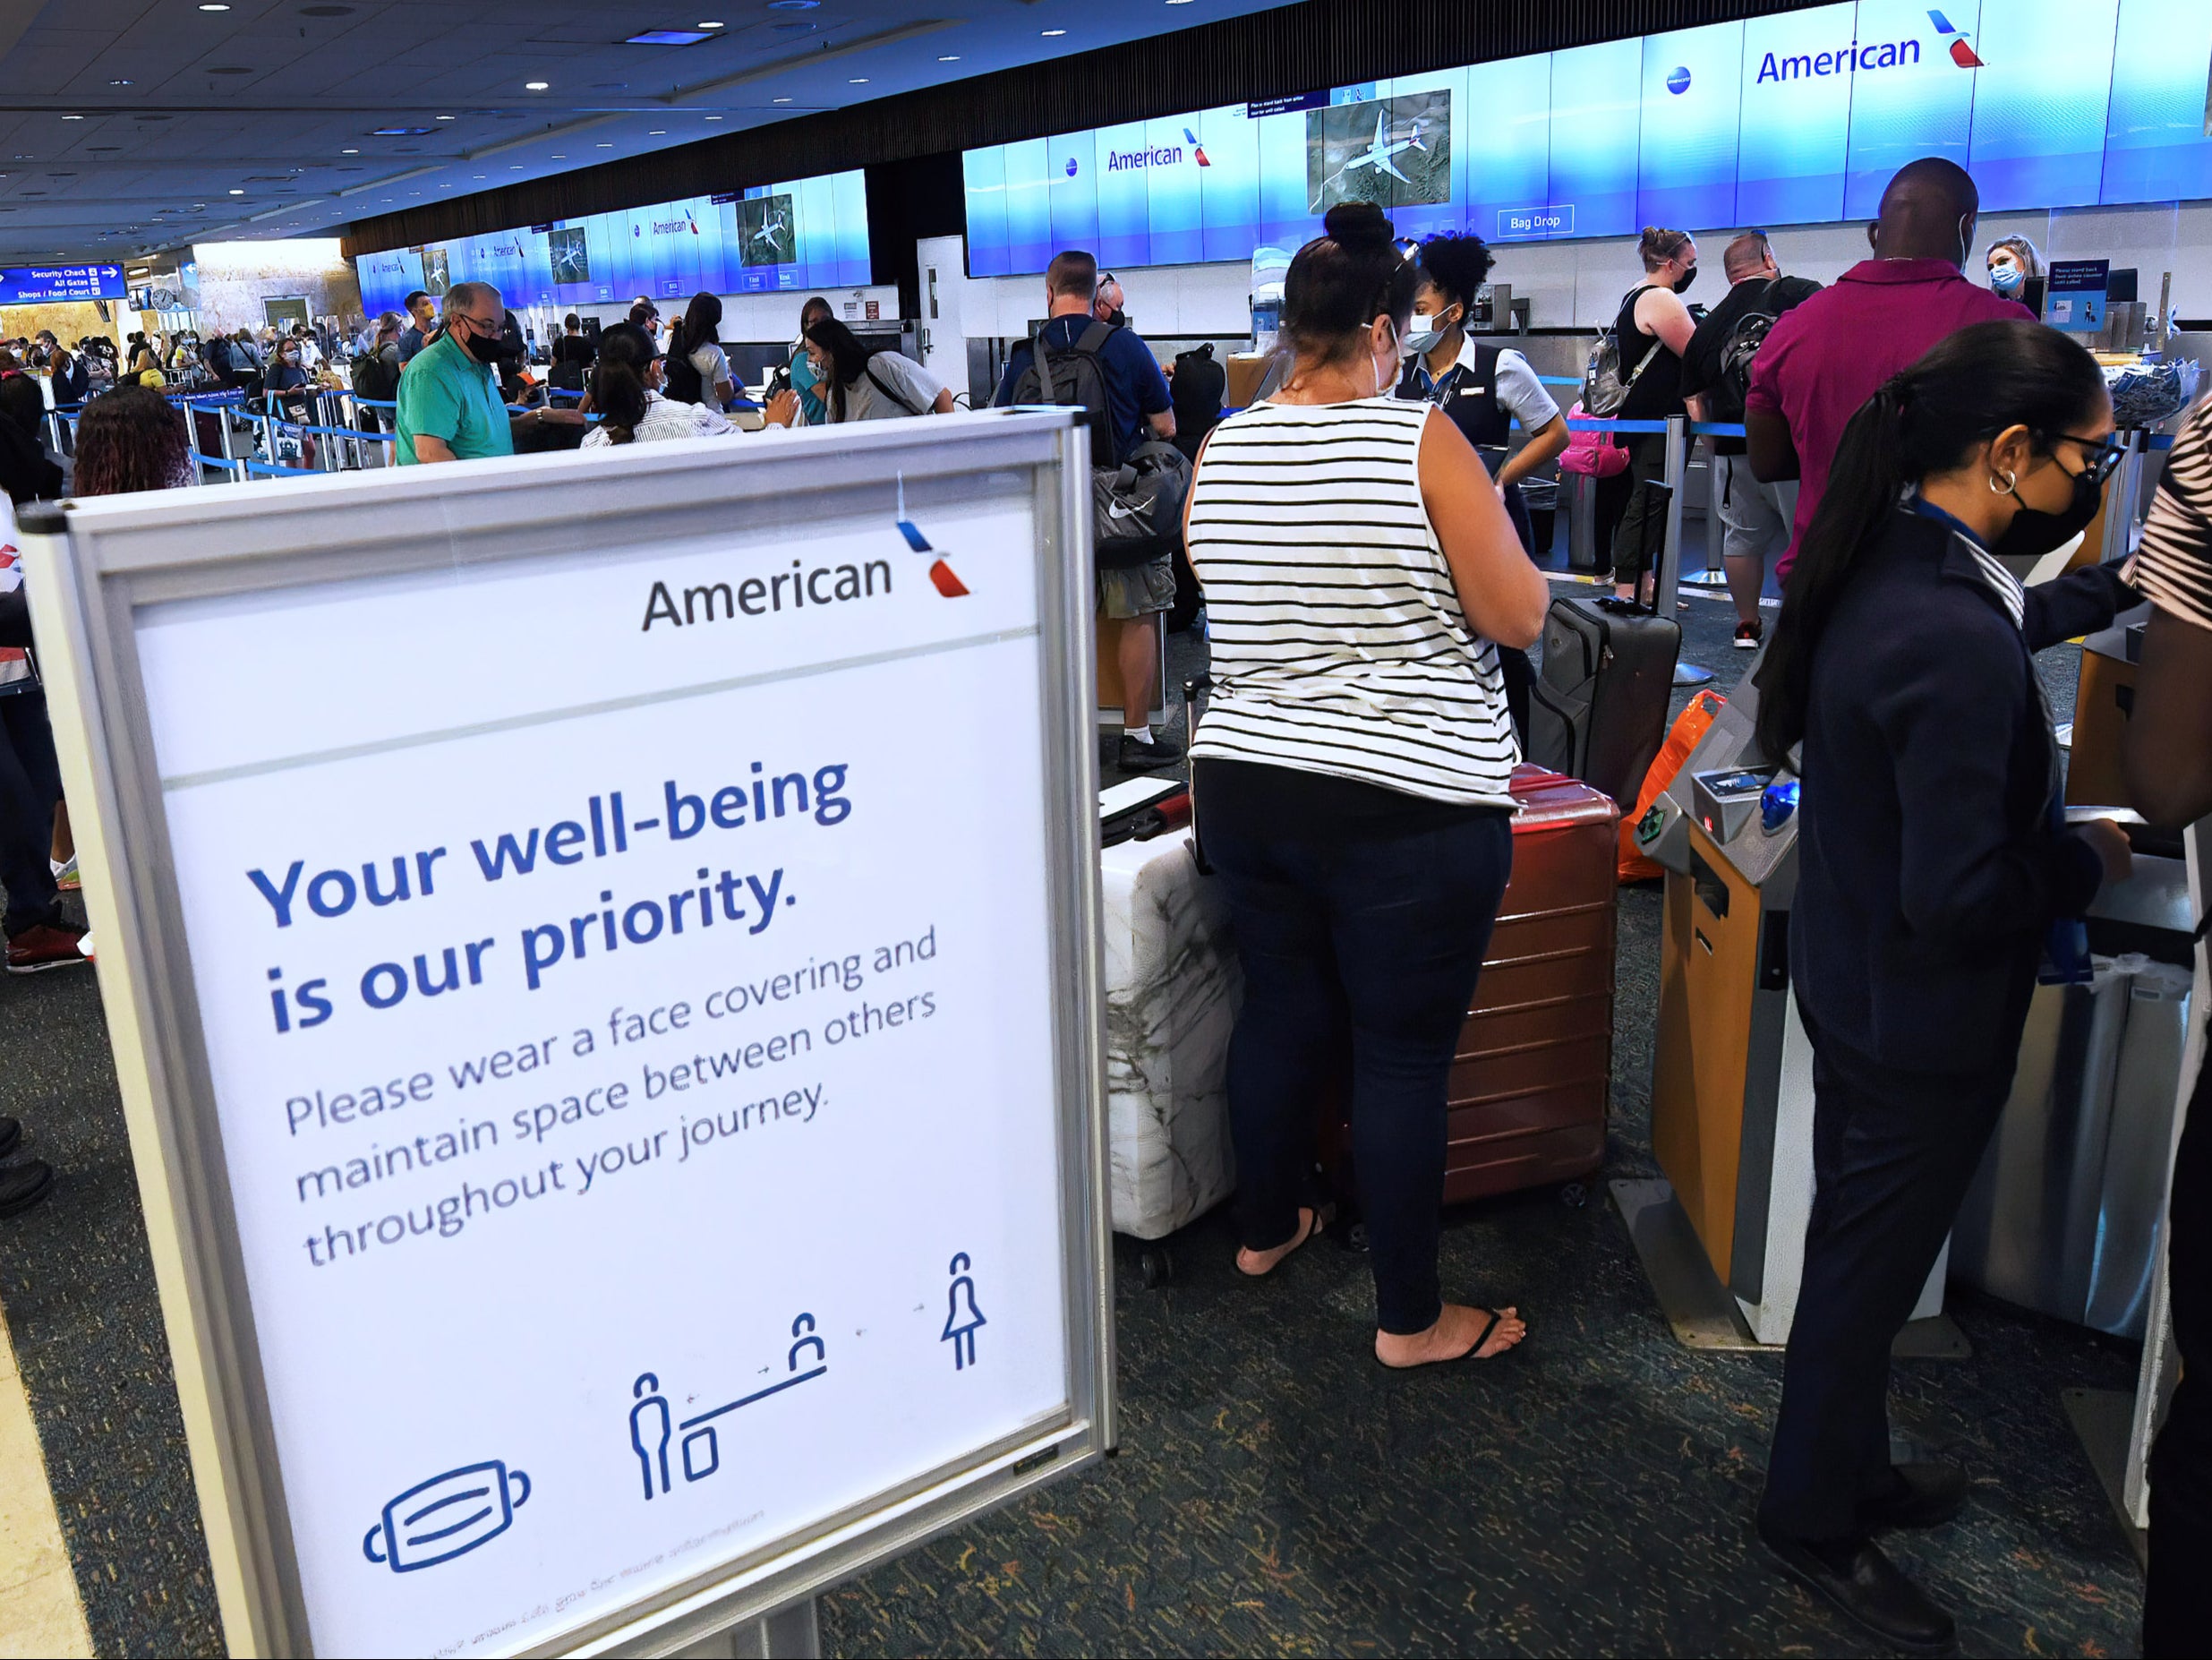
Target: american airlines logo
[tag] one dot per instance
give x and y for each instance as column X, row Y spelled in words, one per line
column 1852, row 57
column 1152, row 156
column 675, row 228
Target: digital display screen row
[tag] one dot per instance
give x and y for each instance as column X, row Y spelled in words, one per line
column 806, row 234
column 36, row 285
column 1799, row 118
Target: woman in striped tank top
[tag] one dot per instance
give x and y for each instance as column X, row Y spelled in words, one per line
column 1360, row 573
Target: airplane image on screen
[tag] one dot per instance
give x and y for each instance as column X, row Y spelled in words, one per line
column 1377, row 155
column 769, row 236
column 767, row 231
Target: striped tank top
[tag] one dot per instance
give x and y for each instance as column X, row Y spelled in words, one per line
column 1338, row 643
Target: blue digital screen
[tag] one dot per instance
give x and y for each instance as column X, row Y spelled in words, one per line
column 34, row 285
column 1795, row 119
column 804, row 235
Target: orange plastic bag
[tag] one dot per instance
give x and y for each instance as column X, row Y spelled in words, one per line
column 1688, row 731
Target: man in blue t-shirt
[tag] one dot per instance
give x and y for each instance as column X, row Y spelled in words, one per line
column 1137, row 406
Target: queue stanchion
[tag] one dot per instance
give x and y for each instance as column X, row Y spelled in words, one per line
column 1666, row 596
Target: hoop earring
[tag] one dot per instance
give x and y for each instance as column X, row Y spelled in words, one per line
column 2009, row 488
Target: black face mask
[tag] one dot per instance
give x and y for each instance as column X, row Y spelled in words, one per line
column 492, row 349
column 2032, row 535
column 1682, row 283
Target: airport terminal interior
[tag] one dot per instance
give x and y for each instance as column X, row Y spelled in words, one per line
column 1368, row 521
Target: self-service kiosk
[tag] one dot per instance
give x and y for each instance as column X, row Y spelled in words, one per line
column 1732, row 1083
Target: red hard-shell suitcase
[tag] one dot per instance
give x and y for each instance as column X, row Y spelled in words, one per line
column 1530, row 1082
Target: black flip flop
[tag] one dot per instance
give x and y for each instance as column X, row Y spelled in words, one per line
column 1471, row 1352
column 1322, row 1215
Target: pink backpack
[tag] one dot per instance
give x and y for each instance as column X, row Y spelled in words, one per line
column 1594, row 453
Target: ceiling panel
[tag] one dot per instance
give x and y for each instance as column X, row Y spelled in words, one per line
column 316, row 87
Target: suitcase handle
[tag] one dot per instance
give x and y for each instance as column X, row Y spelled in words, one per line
column 1191, row 689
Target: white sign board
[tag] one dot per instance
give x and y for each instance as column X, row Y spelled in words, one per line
column 637, row 944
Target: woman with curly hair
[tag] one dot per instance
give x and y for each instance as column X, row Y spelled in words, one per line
column 131, row 438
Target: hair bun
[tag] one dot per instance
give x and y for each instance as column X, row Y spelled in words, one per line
column 1357, row 227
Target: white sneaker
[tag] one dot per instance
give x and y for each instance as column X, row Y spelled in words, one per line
column 65, row 876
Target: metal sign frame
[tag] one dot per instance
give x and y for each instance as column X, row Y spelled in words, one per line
column 92, row 566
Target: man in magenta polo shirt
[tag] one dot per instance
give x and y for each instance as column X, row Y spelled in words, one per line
column 1828, row 354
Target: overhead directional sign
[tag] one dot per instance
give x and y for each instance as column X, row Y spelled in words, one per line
column 38, row 284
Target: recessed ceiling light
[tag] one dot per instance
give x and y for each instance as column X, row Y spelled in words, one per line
column 857, row 81
column 1050, row 33
column 73, row 117
column 606, row 146
column 949, row 57
column 666, row 36
column 449, row 117
column 349, row 153
column 237, row 192
column 778, row 100
column 535, row 86
column 212, row 7
column 710, row 25
column 127, row 81
column 560, row 159
column 657, row 133
column 713, row 117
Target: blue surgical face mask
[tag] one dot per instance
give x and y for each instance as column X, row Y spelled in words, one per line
column 2007, row 280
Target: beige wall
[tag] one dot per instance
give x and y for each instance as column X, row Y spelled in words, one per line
column 236, row 277
column 71, row 320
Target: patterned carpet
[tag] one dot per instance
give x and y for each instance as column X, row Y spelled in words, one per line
column 1277, row 1492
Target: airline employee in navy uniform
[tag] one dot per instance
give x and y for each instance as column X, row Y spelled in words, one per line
column 1484, row 389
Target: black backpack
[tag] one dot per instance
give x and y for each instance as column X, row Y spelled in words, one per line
column 375, row 376
column 1724, row 399
column 1075, row 378
column 1200, row 385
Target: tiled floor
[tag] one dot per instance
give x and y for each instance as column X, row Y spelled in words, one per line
column 39, row 1611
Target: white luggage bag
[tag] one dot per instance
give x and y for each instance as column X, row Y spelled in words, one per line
column 1172, row 986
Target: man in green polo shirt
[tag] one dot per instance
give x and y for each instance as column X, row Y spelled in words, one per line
column 449, row 404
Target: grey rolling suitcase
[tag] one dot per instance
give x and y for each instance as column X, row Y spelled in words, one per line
column 1598, row 710
column 1578, row 495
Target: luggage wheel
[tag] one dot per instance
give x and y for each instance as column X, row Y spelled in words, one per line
column 1574, row 1195
column 1156, row 1266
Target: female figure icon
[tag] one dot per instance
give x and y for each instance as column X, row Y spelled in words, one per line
column 961, row 1316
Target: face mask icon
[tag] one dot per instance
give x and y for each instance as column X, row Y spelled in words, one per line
column 447, row 1516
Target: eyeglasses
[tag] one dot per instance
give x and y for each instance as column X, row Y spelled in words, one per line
column 2105, row 457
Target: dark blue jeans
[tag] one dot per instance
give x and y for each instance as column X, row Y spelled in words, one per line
column 2177, row 1604
column 1375, row 922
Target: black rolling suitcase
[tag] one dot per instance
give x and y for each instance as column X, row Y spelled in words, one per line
column 1598, row 711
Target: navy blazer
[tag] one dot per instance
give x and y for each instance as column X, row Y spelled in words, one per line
column 1929, row 867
